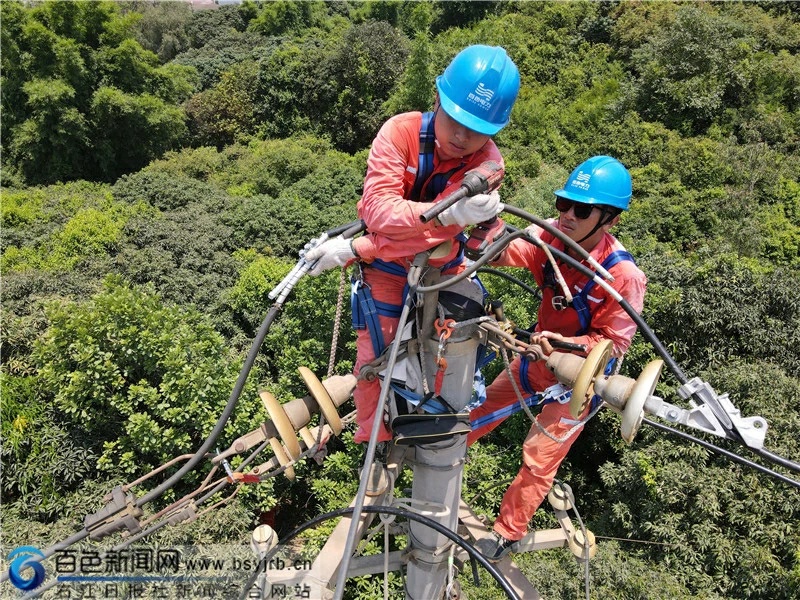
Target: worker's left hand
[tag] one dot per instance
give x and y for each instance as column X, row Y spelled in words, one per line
column 542, row 338
column 335, row 252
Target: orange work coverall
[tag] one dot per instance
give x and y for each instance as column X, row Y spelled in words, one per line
column 396, row 234
column 542, row 455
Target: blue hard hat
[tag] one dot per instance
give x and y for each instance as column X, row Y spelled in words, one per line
column 479, row 87
column 599, row 180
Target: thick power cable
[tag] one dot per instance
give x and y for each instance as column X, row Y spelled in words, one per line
column 226, row 412
column 348, row 229
column 474, row 554
column 726, row 453
column 784, row 462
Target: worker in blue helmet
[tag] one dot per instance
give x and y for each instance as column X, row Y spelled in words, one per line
column 479, row 88
column 575, row 311
column 416, row 160
column 601, row 182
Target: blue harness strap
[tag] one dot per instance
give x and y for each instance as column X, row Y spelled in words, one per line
column 424, row 190
column 365, row 309
column 427, row 139
column 579, row 300
column 430, row 405
column 505, row 412
column 524, row 364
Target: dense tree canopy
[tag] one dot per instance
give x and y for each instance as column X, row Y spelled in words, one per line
column 162, row 167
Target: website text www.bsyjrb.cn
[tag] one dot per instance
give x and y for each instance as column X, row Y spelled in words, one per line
column 218, row 571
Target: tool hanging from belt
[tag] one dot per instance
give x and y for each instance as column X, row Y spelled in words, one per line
column 444, row 327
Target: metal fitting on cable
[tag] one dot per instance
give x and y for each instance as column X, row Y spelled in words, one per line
column 119, row 513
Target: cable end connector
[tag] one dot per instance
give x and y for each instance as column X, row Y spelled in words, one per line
column 186, row 514
column 119, row 514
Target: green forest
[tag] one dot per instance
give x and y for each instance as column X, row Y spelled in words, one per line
column 162, row 166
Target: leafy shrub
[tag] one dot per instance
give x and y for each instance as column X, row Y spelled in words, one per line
column 162, row 191
column 130, row 130
column 143, row 380
column 693, row 504
column 688, row 72
column 89, row 233
column 224, row 114
column 222, row 49
column 162, row 29
column 355, row 80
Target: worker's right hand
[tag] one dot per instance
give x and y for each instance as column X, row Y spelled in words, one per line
column 471, row 210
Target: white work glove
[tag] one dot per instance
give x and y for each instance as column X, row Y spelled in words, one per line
column 471, row 210
column 335, row 252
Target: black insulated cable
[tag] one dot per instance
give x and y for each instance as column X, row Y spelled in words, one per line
column 389, row 510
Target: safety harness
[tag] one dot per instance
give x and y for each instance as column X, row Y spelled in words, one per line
column 581, row 306
column 364, row 309
column 579, row 301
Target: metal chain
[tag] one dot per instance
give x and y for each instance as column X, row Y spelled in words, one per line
column 337, row 321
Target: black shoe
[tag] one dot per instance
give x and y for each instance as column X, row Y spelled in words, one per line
column 494, row 547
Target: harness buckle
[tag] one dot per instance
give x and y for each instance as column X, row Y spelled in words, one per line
column 358, row 273
column 560, row 303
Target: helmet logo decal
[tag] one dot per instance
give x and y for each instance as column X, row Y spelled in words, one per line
column 582, row 180
column 482, row 96
column 484, row 92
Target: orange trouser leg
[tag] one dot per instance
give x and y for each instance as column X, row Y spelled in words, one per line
column 541, row 458
column 385, row 288
column 367, row 393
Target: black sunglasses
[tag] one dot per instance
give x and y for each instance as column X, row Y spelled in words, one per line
column 581, row 210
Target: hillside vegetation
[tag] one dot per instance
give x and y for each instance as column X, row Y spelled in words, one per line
column 161, row 169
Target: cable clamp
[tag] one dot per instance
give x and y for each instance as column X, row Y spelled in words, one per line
column 119, row 513
column 720, row 416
